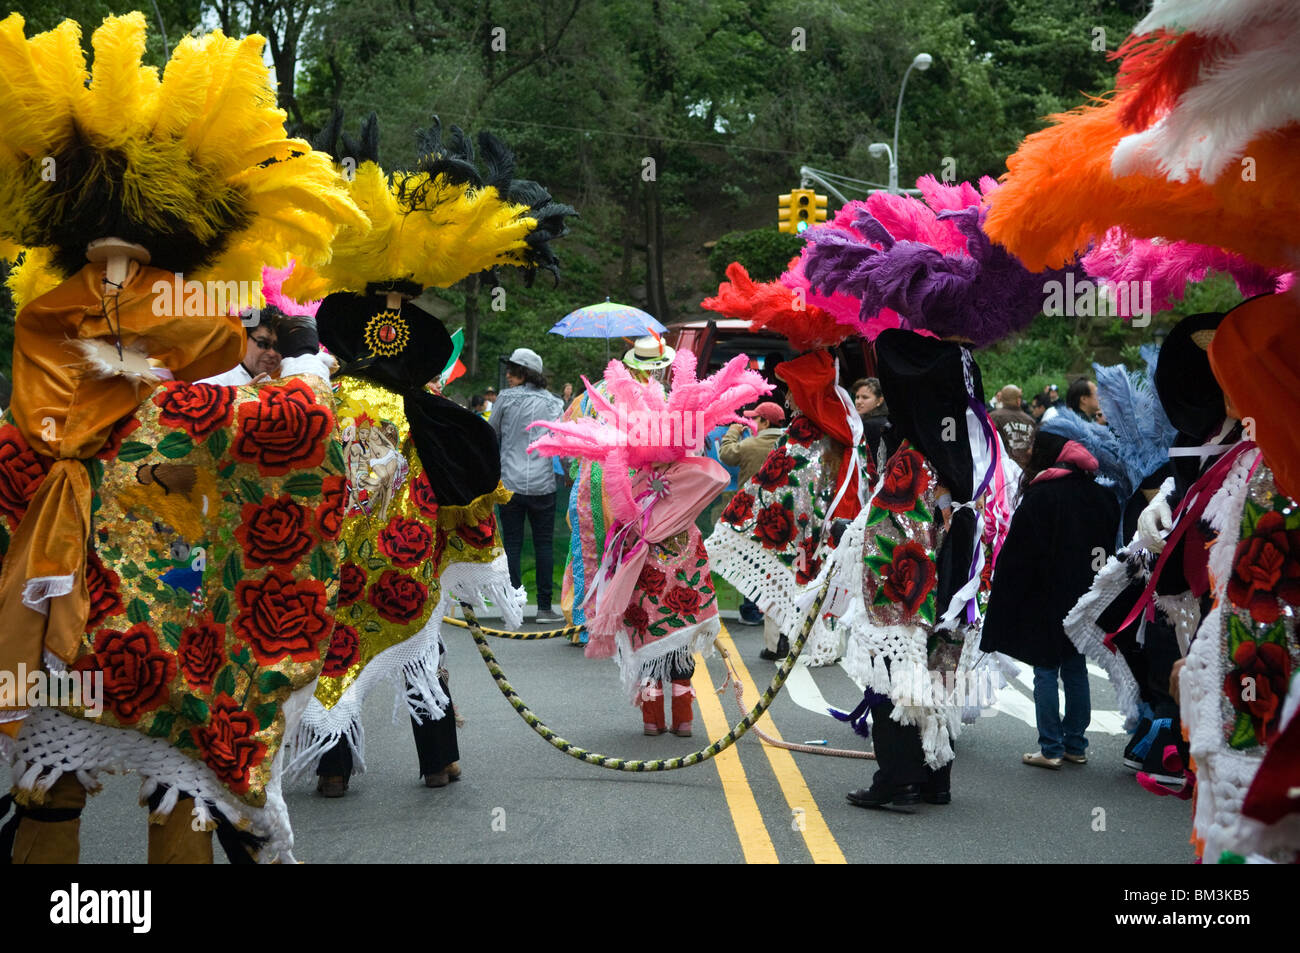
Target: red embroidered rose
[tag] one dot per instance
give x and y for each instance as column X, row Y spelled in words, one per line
column 1266, row 568
column 905, row 480
column 284, row 429
column 683, row 600
column 774, row 527
column 480, row 536
column 909, row 577
column 345, row 649
column 274, row 532
column 352, row 582
column 740, row 509
column 651, row 580
column 1258, row 683
column 397, row 597
column 21, row 471
column 329, row 515
column 422, row 496
column 102, row 587
column 776, row 469
column 198, row 409
column 406, row 542
column 701, row 551
column 281, row 616
column 202, row 653
column 802, row 431
column 636, row 619
column 228, row 743
column 807, row 566
column 136, row 671
column 121, row 430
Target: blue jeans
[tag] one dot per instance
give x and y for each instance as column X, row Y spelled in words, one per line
column 1055, row 737
column 539, row 510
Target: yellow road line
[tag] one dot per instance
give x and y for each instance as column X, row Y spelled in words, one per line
column 816, row 834
column 755, row 842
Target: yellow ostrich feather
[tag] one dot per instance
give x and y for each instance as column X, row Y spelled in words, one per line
column 195, row 166
column 452, row 232
column 32, row 277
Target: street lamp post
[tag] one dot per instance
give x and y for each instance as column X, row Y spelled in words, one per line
column 921, row 61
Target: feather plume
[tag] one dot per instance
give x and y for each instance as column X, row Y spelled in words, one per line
column 1218, row 17
column 692, row 406
column 1134, row 414
column 1168, row 267
column 936, row 269
column 776, row 307
column 1098, row 441
column 273, row 292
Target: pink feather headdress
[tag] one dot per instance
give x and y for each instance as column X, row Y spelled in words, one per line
column 273, row 280
column 638, row 426
column 1170, row 266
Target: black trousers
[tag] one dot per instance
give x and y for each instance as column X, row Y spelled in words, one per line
column 900, row 757
column 435, row 746
column 540, row 512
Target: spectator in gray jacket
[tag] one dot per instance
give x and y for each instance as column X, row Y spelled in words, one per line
column 530, row 478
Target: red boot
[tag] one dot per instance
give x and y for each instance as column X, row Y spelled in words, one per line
column 683, row 707
column 651, row 701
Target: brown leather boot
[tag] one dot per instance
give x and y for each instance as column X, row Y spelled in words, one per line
column 52, row 842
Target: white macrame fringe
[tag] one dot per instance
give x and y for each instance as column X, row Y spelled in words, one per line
column 657, row 660
column 481, row 584
column 38, row 591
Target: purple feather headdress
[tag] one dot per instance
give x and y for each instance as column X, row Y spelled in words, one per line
column 931, row 262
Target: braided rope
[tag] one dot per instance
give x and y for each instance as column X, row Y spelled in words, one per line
column 658, row 764
column 568, row 630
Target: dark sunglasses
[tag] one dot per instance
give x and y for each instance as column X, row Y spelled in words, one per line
column 266, row 344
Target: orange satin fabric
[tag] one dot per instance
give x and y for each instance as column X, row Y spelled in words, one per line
column 67, row 415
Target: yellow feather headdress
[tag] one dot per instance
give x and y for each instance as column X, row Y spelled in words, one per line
column 196, row 166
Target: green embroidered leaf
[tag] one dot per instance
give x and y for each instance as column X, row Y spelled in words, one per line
column 228, row 469
column 426, row 570
column 656, row 630
column 184, row 742
column 221, row 608
column 231, row 573
column 1276, row 634
column 365, row 549
column 138, row 611
column 1249, row 517
column 162, row 724
column 250, row 490
column 877, row 563
column 694, row 580
column 217, row 444
column 376, row 564
column 881, row 599
column 270, row 681
column 240, row 656
column 356, row 611
column 195, row 709
column 335, row 454
column 95, row 467
column 225, row 682
column 876, row 515
column 370, row 625
column 175, row 444
column 919, row 512
column 303, row 484
column 265, row 714
column 675, row 621
column 171, row 634
column 1238, row 634
column 664, row 610
column 699, row 563
column 926, row 611
column 344, row 549
column 886, row 547
column 787, row 501
column 1292, row 522
column 1243, row 733
column 322, row 567
column 133, row 450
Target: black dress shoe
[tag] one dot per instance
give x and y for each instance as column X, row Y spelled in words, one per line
column 902, row 796
column 936, row 797
column 767, row 655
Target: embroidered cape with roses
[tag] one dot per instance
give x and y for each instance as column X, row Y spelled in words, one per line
column 393, row 563
column 769, row 540
column 1240, row 667
column 212, row 572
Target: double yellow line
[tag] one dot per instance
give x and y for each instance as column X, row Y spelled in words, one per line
column 755, row 842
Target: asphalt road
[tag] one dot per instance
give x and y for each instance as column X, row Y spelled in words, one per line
column 521, row 801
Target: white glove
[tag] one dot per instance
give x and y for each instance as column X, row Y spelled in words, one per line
column 1154, row 525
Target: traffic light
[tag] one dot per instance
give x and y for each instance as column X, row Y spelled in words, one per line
column 799, row 209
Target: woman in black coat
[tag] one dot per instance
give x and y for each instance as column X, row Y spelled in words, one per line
column 1061, row 534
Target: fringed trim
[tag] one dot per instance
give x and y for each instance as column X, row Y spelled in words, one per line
column 413, row 662
column 41, row 589
column 482, row 583
column 53, row 744
column 656, row 662
column 1081, row 627
column 474, row 512
column 757, row 574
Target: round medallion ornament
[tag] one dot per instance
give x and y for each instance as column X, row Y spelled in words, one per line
column 387, row 334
